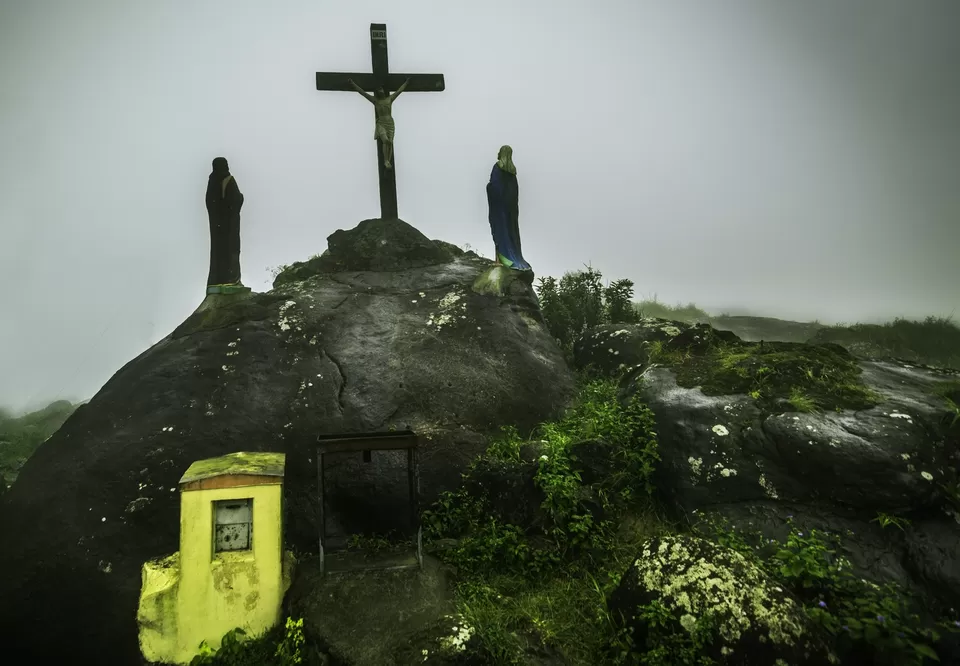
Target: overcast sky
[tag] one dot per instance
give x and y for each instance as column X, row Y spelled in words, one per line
column 796, row 159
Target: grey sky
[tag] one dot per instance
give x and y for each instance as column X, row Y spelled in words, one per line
column 800, row 159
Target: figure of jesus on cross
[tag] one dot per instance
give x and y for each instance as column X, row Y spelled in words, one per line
column 381, row 82
column 384, row 128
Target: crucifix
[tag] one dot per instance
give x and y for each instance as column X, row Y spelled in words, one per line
column 382, row 83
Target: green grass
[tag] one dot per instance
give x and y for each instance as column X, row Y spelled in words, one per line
column 800, row 401
column 950, row 392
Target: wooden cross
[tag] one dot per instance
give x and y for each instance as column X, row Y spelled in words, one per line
column 382, row 78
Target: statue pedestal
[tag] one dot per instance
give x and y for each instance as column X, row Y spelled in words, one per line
column 223, row 305
column 227, row 289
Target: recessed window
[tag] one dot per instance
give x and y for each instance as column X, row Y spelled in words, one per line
column 233, row 524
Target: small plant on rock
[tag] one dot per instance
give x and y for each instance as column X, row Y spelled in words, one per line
column 885, row 520
column 670, row 645
column 290, row 649
column 863, row 617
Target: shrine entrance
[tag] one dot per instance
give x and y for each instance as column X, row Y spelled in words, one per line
column 341, row 551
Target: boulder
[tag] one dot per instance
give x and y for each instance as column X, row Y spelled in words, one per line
column 757, row 433
column 752, row 619
column 373, row 245
column 367, row 618
column 384, row 332
column 450, row 641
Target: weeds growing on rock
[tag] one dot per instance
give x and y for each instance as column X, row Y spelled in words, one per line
column 528, row 588
column 800, row 401
column 283, row 645
column 885, row 520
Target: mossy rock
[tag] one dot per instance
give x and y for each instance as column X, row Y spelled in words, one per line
column 498, row 280
column 750, row 618
column 373, row 245
column 299, row 271
column 221, row 310
column 780, row 376
column 809, row 377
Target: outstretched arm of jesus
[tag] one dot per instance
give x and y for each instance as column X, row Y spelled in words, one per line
column 399, row 90
column 361, row 91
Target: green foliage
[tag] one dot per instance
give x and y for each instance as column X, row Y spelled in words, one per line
column 506, row 446
column 950, row 392
column 298, row 270
column 281, row 646
column 803, row 560
column 524, row 586
column 290, row 648
column 619, row 307
column 579, row 301
column 233, row 650
column 934, row 341
column 689, row 313
column 669, row 644
column 885, row 520
column 21, row 436
column 486, row 543
column 800, row 401
column 863, row 617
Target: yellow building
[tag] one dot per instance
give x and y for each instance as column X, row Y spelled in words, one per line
column 231, row 570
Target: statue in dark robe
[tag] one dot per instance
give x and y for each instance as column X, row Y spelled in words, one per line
column 224, row 201
column 503, row 197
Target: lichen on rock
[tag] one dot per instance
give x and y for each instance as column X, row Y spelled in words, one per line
column 755, row 620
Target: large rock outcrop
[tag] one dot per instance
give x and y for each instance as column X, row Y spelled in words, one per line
column 773, row 435
column 386, row 330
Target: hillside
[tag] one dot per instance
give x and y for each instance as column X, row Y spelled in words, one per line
column 933, row 341
column 20, row 436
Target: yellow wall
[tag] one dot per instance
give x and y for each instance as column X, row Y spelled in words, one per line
column 221, row 591
column 213, row 592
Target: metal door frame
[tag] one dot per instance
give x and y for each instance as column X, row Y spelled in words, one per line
column 364, row 443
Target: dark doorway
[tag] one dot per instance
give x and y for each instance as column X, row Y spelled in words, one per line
column 369, row 499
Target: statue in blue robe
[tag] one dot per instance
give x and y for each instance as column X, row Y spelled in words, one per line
column 503, row 196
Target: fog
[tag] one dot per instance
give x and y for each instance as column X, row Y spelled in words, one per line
column 797, row 160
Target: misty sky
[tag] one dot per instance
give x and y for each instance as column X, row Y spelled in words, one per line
column 795, row 159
